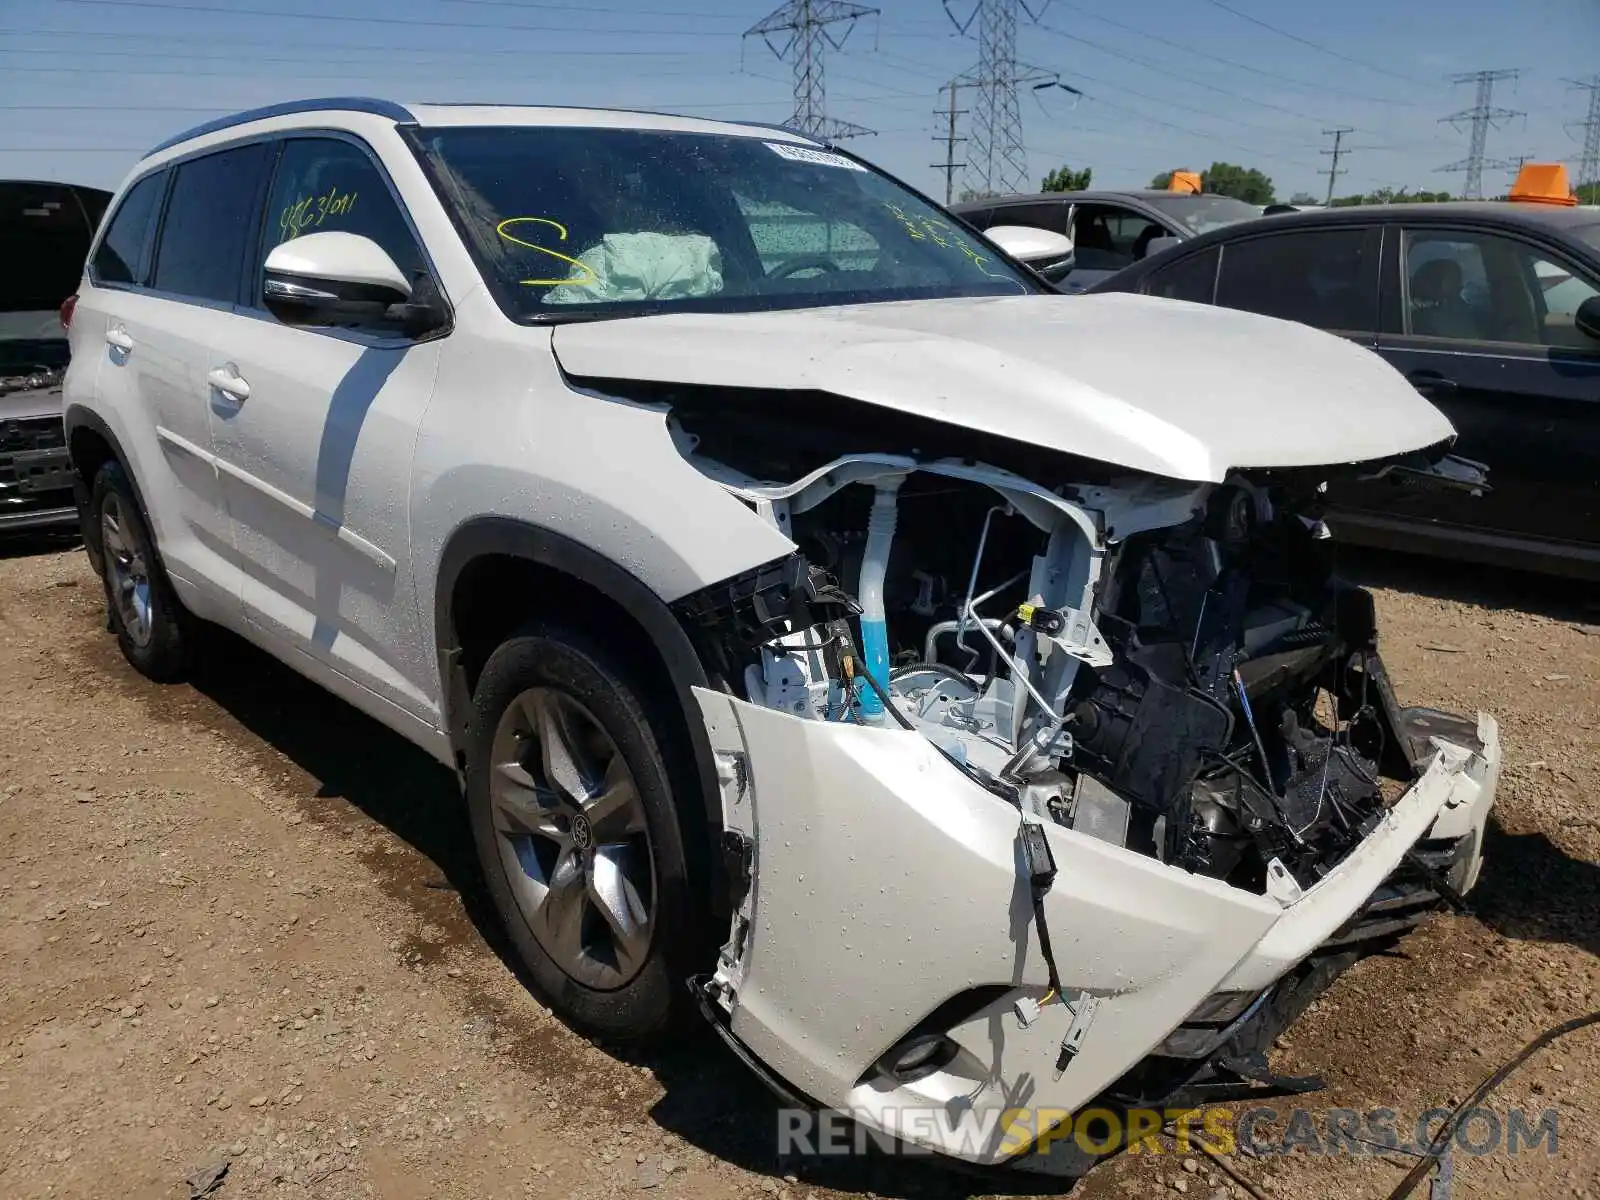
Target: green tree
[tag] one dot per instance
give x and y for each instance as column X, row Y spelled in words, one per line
column 1300, row 198
column 1588, row 193
column 1065, row 179
column 969, row 194
column 1242, row 183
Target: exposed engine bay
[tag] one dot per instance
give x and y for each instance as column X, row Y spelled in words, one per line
column 1166, row 666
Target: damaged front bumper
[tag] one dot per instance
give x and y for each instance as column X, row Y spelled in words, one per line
column 884, row 929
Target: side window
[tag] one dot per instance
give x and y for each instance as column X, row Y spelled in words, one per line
column 1108, row 238
column 788, row 240
column 1319, row 277
column 1045, row 215
column 1482, row 287
column 1193, row 277
column 326, row 184
column 207, row 224
column 120, row 256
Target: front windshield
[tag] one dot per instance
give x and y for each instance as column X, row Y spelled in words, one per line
column 1201, row 214
column 575, row 223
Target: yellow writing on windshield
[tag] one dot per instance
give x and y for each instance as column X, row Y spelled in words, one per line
column 308, row 212
column 561, row 232
column 943, row 235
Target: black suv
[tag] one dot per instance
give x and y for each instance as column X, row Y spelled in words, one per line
column 1492, row 310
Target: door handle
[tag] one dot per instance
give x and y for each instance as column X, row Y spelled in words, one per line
column 1432, row 383
column 119, row 339
column 228, row 381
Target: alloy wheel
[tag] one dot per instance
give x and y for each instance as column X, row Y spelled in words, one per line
column 126, row 571
column 573, row 838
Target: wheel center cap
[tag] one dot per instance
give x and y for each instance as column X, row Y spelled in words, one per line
column 582, row 832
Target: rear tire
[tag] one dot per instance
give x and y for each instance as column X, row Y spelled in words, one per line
column 570, row 791
column 152, row 626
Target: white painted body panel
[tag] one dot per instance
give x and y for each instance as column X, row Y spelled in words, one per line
column 318, row 488
column 1183, row 390
column 508, row 437
column 155, row 397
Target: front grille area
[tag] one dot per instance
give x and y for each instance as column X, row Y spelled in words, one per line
column 19, row 434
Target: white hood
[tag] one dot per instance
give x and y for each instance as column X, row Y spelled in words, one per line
column 1182, row 390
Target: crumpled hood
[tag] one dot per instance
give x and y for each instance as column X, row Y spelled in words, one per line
column 1182, row 390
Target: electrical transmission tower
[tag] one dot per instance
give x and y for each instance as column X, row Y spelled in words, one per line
column 1589, row 161
column 997, row 161
column 804, row 30
column 1333, row 172
column 1482, row 116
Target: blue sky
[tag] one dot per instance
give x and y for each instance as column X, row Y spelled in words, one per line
column 87, row 85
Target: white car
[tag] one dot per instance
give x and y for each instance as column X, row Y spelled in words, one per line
column 816, row 609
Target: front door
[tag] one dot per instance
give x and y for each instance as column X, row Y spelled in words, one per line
column 315, row 445
column 1487, row 334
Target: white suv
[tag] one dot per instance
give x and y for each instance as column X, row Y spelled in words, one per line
column 816, row 609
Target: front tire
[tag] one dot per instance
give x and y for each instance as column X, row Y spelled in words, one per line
column 152, row 626
column 571, row 798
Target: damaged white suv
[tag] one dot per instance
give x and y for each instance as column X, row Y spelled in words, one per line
column 940, row 683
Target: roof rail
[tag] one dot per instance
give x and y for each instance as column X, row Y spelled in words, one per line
column 364, row 104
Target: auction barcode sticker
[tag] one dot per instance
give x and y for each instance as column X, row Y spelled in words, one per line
column 821, row 158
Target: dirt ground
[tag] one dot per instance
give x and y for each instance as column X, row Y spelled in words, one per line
column 239, row 923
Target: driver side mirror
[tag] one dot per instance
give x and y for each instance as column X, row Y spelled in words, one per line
column 336, row 278
column 1587, row 318
column 1047, row 253
column 1157, row 245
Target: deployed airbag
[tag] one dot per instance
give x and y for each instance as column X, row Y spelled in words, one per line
column 642, row 266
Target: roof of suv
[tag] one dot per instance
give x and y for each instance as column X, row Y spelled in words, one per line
column 1145, row 194
column 489, row 114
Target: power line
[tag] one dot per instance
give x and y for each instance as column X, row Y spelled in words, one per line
column 1481, row 117
column 1189, row 105
column 589, row 8
column 280, row 15
column 1164, row 70
column 808, row 26
column 1333, row 171
column 1317, row 46
column 1589, row 160
column 1235, row 64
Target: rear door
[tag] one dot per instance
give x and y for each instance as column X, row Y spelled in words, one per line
column 1483, row 327
column 1326, row 277
column 158, row 338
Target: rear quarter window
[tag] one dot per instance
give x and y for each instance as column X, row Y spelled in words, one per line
column 1192, row 278
column 120, row 257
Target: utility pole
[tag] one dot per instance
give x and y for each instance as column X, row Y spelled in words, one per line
column 949, row 165
column 1589, row 160
column 1481, row 117
column 807, row 26
column 1333, row 171
column 998, row 161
